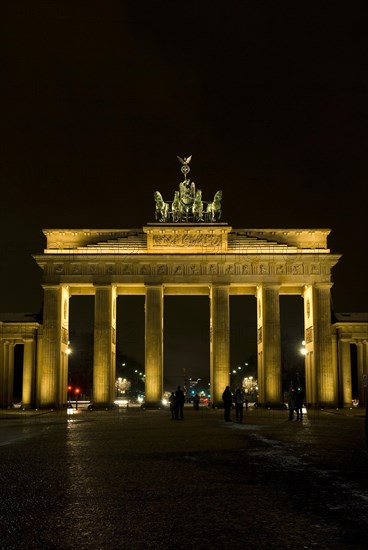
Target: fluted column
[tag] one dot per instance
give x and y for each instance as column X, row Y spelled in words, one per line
column 345, row 372
column 154, row 315
column 28, row 373
column 3, row 381
column 52, row 390
column 104, row 367
column 363, row 371
column 326, row 374
column 269, row 344
column 4, row 370
column 219, row 342
column 360, row 372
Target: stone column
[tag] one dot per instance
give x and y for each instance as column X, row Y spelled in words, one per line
column 219, row 342
column 154, row 315
column 362, row 352
column 269, row 344
column 104, row 367
column 4, row 370
column 55, row 342
column 39, row 364
column 28, row 373
column 345, row 372
column 11, row 372
column 326, row 374
column 360, row 372
column 3, row 381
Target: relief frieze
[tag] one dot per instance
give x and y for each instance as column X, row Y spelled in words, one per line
column 295, row 269
column 201, row 240
column 109, row 269
column 127, row 269
column 280, row 269
column 76, row 269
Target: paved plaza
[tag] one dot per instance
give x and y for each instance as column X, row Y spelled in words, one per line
column 136, row 479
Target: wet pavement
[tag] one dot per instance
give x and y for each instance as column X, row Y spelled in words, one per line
column 136, row 479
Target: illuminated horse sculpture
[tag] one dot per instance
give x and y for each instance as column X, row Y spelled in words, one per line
column 162, row 207
column 197, row 208
column 213, row 210
column 176, row 208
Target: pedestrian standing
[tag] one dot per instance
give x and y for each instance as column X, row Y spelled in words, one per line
column 180, row 399
column 291, row 402
column 173, row 408
column 239, row 404
column 227, row 398
column 299, row 398
column 196, row 402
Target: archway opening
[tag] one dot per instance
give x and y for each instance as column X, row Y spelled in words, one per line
column 292, row 336
column 187, row 343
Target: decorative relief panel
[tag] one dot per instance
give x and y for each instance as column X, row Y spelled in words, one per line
column 59, row 268
column 309, row 335
column 178, row 270
column 64, row 335
column 202, row 240
column 75, row 269
column 92, row 269
column 145, row 269
column 315, row 269
column 109, row 269
column 212, row 269
column 194, row 269
column 295, row 269
column 308, row 308
column 259, row 335
column 162, row 269
column 229, row 269
column 127, row 269
column 280, row 269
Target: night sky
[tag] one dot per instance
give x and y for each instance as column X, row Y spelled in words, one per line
column 98, row 97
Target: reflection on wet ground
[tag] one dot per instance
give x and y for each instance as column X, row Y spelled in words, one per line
column 138, row 479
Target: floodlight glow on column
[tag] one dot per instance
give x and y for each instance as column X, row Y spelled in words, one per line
column 303, row 350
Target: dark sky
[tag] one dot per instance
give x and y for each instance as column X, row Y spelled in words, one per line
column 98, row 97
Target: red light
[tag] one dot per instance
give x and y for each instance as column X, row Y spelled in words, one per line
column 69, row 388
column 77, row 390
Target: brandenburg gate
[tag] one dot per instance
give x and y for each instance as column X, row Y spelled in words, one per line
column 188, row 250
column 210, row 259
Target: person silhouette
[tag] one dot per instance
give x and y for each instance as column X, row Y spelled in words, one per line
column 196, row 402
column 227, row 398
column 173, row 407
column 299, row 398
column 180, row 399
column 239, row 404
